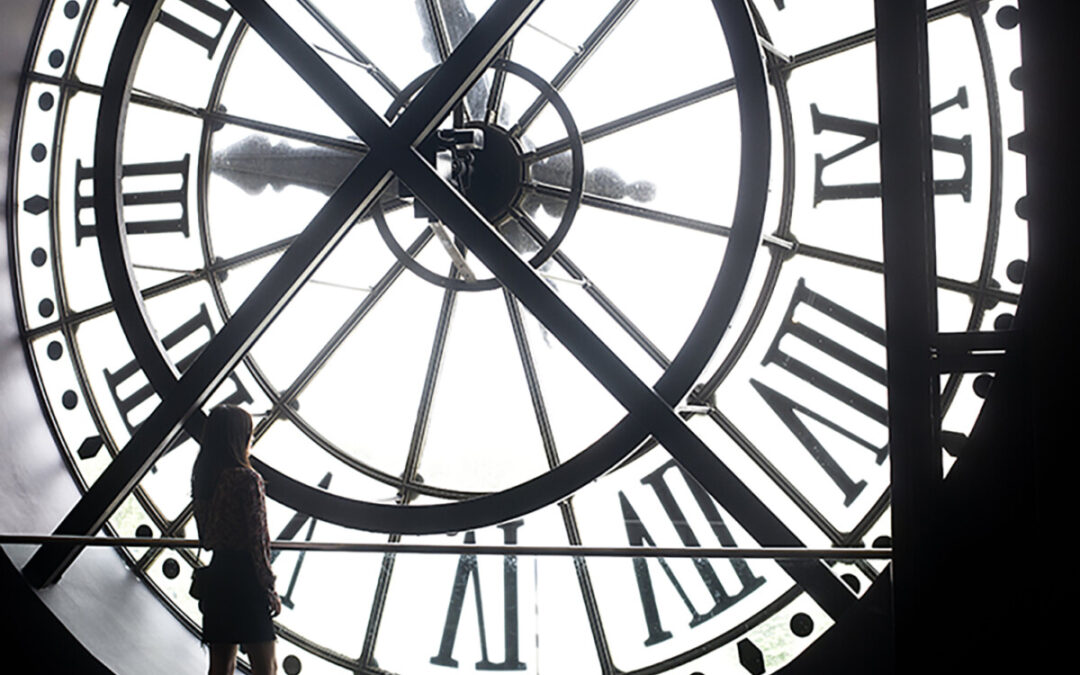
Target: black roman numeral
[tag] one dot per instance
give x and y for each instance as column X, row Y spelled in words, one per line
column 868, row 133
column 187, row 340
column 638, row 535
column 288, row 533
column 205, row 12
column 788, row 410
column 152, row 204
column 466, row 570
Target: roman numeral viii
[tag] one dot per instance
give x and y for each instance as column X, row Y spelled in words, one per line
column 868, row 133
column 793, row 413
column 638, row 535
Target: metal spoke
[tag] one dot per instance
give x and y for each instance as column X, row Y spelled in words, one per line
column 565, row 507
column 159, row 102
column 427, row 396
column 189, row 277
column 974, row 290
column 382, row 78
column 867, row 36
column 412, row 463
column 440, row 33
column 349, row 325
column 588, row 594
column 595, row 293
column 527, row 363
column 378, row 605
column 776, row 476
column 438, row 28
column 498, row 84
column 633, row 119
column 322, row 140
column 592, row 43
column 617, row 206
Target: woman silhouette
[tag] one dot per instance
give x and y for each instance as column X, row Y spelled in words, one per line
column 230, row 512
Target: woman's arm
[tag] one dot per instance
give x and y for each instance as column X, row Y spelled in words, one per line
column 259, row 539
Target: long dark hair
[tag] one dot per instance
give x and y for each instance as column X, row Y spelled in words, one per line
column 225, row 443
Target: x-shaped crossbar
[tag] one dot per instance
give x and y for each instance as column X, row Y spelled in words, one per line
column 393, row 152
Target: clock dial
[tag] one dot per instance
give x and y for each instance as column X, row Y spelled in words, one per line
column 521, row 273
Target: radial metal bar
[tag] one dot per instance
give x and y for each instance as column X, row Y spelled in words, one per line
column 498, row 84
column 910, row 319
column 976, row 290
column 354, row 51
column 631, row 210
column 602, row 30
column 768, row 553
column 566, row 508
column 158, row 102
column 427, row 395
column 635, row 118
column 595, row 293
column 349, row 325
column 547, row 436
column 866, row 37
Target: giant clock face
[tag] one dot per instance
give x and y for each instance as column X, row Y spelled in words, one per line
column 604, row 273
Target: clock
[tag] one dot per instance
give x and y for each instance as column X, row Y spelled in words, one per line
column 539, row 273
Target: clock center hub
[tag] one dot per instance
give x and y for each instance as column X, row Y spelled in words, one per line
column 495, row 174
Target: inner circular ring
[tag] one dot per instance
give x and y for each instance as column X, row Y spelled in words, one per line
column 502, row 138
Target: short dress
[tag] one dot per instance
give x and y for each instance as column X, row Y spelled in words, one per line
column 237, row 601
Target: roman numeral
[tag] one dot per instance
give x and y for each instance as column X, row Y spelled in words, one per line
column 466, row 570
column 638, row 535
column 146, row 211
column 868, row 133
column 789, row 411
column 288, row 533
column 203, row 12
column 183, row 345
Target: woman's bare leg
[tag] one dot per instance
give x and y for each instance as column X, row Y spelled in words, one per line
column 261, row 655
column 222, row 659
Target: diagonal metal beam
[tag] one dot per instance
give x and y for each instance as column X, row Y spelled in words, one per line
column 329, row 225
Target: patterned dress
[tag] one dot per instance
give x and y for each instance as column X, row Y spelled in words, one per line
column 232, row 524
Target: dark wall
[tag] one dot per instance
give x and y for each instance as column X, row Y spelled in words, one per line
column 30, row 635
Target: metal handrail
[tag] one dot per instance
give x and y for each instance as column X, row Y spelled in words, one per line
column 771, row 553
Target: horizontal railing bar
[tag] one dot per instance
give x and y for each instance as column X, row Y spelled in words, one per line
column 777, row 553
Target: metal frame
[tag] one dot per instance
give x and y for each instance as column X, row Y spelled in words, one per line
column 453, row 79
column 960, row 345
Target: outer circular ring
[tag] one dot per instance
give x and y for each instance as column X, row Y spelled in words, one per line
column 577, row 183
column 603, row 454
